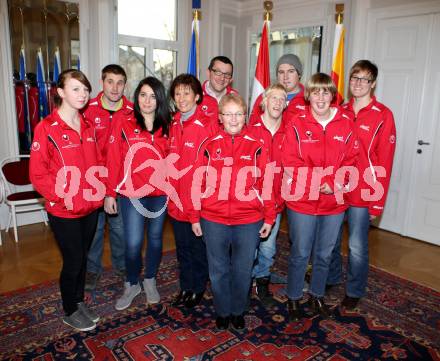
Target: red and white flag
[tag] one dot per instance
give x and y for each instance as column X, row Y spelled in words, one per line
column 338, row 62
column 262, row 70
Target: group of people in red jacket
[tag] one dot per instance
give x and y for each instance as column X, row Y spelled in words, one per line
column 223, row 179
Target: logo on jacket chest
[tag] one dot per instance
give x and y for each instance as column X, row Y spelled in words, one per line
column 309, row 138
column 67, row 143
column 339, row 138
column 98, row 123
column 189, row 144
column 137, row 136
column 365, row 127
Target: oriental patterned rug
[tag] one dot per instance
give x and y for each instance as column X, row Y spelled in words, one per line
column 397, row 320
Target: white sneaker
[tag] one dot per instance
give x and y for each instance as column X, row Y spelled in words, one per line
column 130, row 292
column 151, row 290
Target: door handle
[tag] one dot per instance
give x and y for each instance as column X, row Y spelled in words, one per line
column 421, row 142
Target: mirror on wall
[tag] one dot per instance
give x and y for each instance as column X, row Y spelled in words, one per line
column 304, row 42
column 44, row 41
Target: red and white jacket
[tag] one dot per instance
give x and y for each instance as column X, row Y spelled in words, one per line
column 274, row 144
column 376, row 132
column 185, row 140
column 295, row 106
column 209, row 104
column 307, row 151
column 101, row 118
column 64, row 164
column 234, row 199
column 130, row 147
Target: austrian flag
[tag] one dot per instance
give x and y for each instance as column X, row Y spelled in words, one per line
column 262, row 70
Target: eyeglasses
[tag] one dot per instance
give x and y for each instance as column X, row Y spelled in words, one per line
column 220, row 73
column 364, row 81
column 229, row 116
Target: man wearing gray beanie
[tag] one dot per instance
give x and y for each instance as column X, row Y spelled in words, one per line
column 289, row 70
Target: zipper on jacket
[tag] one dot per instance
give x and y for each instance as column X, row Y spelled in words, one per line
column 152, row 139
column 232, row 172
column 325, row 163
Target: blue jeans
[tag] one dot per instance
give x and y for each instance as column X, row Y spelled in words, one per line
column 134, row 230
column 231, row 254
column 310, row 235
column 191, row 255
column 117, row 244
column 266, row 252
column 357, row 275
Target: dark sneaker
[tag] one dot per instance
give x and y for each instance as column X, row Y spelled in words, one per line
column 222, row 323
column 294, row 310
column 90, row 314
column 181, row 298
column 91, row 281
column 194, row 299
column 318, row 306
column 238, row 322
column 263, row 291
column 79, row 321
column 350, row 303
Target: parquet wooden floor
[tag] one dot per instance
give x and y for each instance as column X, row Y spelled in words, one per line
column 36, row 257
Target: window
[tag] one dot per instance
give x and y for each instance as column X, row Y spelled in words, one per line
column 148, row 40
column 303, row 42
column 147, row 19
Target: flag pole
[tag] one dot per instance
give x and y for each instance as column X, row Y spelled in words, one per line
column 262, row 70
column 46, row 37
column 337, row 72
column 27, row 121
column 268, row 7
column 47, row 84
column 194, row 50
column 69, row 53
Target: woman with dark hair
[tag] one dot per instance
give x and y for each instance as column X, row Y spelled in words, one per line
column 63, row 156
column 189, row 129
column 374, row 123
column 136, row 155
column 319, row 142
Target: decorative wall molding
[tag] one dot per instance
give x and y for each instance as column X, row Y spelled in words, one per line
column 228, row 42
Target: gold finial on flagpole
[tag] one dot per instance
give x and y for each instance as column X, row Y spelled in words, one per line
column 268, row 6
column 339, row 16
column 197, row 14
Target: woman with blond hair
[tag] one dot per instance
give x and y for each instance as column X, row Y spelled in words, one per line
column 233, row 223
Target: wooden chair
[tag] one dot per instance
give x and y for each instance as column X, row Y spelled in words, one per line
column 19, row 196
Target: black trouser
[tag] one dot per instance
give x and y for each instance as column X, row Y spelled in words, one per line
column 74, row 236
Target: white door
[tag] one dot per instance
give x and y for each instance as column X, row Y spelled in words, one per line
column 423, row 217
column 405, row 50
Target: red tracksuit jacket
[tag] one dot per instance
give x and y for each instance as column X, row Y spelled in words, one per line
column 274, row 145
column 59, row 150
column 102, row 119
column 376, row 132
column 238, row 200
column 185, row 140
column 296, row 105
column 308, row 148
column 209, row 105
column 128, row 148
